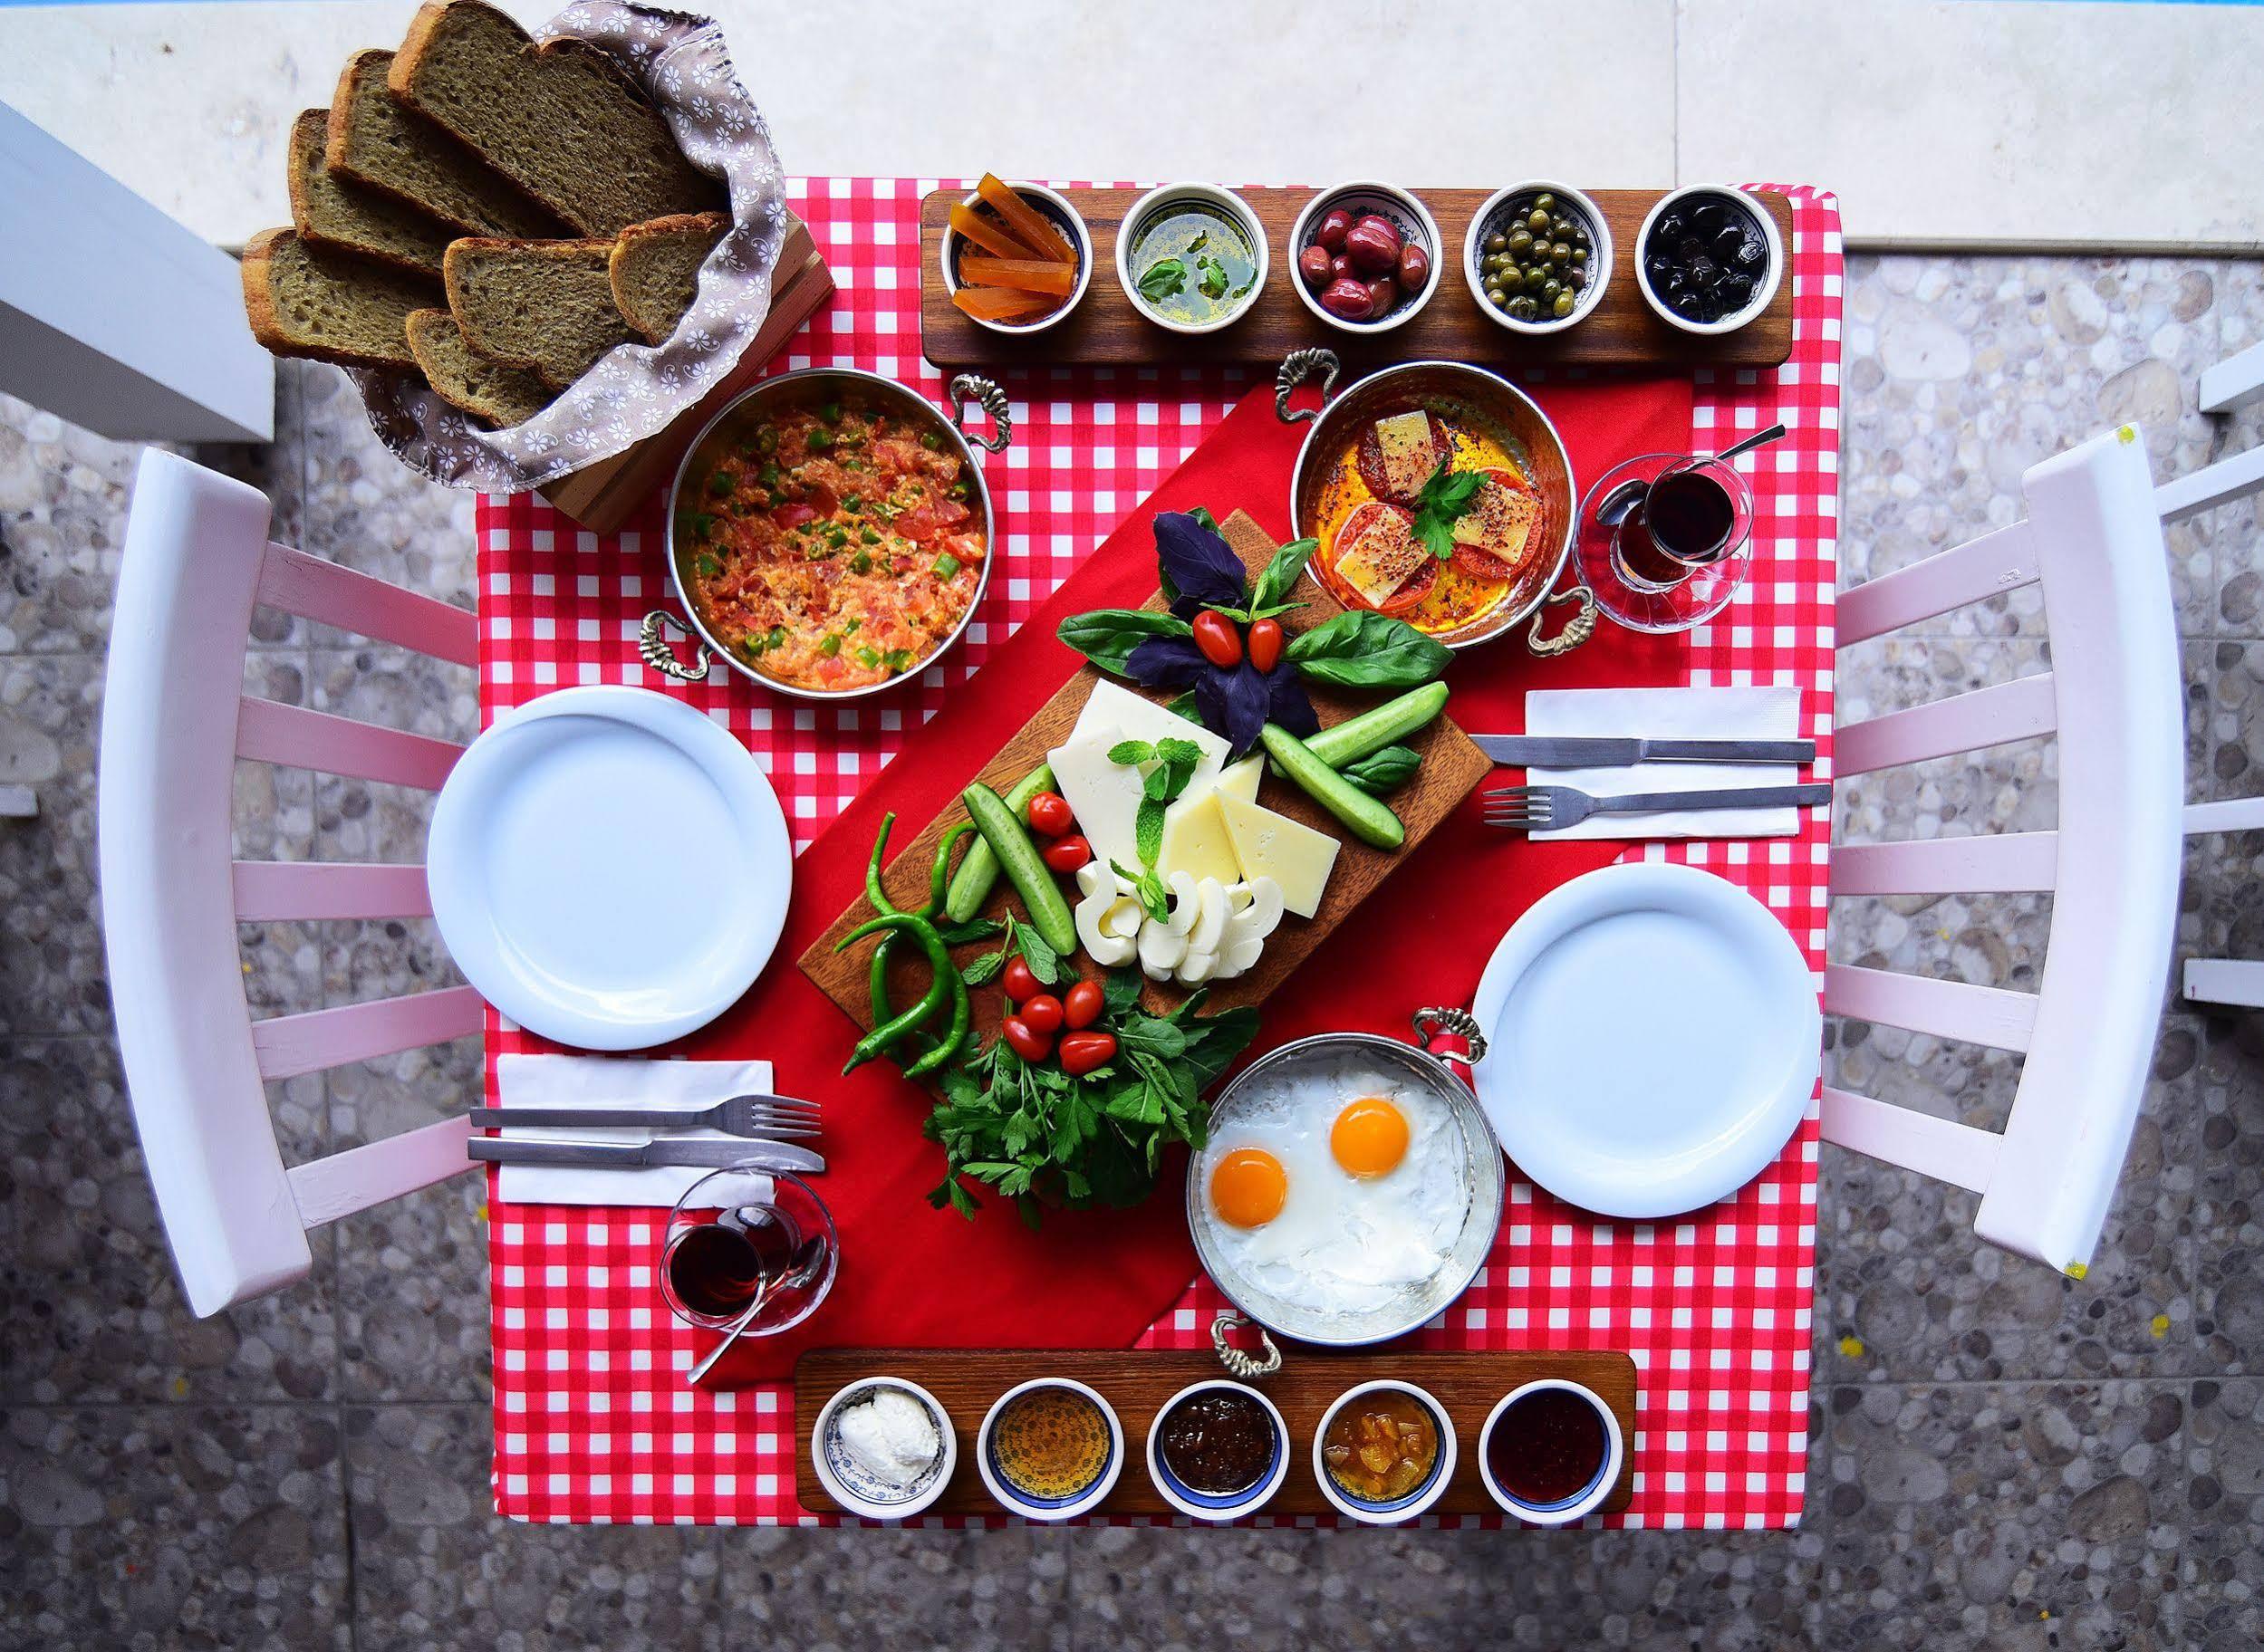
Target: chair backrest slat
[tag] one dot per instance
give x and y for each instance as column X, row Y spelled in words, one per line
column 2003, row 863
column 271, row 891
column 1943, row 1149
column 2018, row 710
column 1994, row 563
column 269, row 731
column 1919, row 1004
column 289, row 1045
column 2234, row 382
column 2212, row 485
column 345, row 1182
column 320, row 590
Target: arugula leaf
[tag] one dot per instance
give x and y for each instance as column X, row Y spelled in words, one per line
column 1360, row 648
column 1275, row 579
column 1445, row 498
column 1384, row 770
column 1120, row 990
column 1107, row 636
column 1149, row 1034
column 1165, row 278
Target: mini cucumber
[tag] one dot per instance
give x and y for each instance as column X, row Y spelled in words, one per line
column 1002, row 829
column 978, row 868
column 1369, row 820
column 1379, row 727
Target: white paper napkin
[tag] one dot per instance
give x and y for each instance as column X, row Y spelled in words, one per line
column 1672, row 714
column 596, row 1080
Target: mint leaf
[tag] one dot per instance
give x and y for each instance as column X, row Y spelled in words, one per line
column 1148, row 829
column 1129, row 751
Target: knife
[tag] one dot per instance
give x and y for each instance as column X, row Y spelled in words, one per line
column 1592, row 752
column 694, row 1152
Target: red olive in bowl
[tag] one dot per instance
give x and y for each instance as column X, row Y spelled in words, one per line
column 1373, row 246
column 1340, row 268
column 1414, row 267
column 1335, row 226
column 1349, row 299
column 1383, row 295
column 1316, row 267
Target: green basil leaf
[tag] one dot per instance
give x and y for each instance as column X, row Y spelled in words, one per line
column 1204, row 518
column 1384, row 770
column 1185, row 706
column 1278, row 575
column 1360, row 649
column 1107, row 636
column 1165, row 278
column 1148, row 829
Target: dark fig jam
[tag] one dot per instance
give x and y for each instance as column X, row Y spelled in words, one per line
column 1218, row 1442
column 1546, row 1447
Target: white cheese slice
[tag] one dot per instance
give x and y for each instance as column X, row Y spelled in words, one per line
column 1270, row 845
column 1136, row 718
column 1408, row 456
column 1105, row 796
column 1383, row 558
column 1241, row 779
column 1195, row 840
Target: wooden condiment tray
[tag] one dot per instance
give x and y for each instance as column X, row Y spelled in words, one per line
column 604, row 495
column 1451, row 767
column 1106, row 329
column 1138, row 1382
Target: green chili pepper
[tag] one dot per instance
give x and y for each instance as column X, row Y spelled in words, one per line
column 939, row 879
column 873, row 892
column 830, row 646
column 946, row 983
column 962, row 1014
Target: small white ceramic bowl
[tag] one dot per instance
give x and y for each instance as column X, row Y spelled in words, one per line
column 1400, row 1510
column 1055, row 210
column 1361, row 197
column 1209, row 1505
column 1049, row 1508
column 849, row 1486
column 1762, row 294
column 1494, row 215
column 1568, row 1510
column 1207, row 194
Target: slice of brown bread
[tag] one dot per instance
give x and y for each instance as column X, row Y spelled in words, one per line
column 655, row 268
column 542, row 306
column 330, row 306
column 561, row 119
column 339, row 214
column 375, row 140
column 464, row 379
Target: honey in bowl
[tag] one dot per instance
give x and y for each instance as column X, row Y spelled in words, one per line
column 1380, row 1446
column 1050, row 1444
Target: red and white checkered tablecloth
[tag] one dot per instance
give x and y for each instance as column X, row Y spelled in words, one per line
column 594, row 1422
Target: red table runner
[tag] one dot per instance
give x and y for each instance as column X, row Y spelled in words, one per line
column 594, row 1421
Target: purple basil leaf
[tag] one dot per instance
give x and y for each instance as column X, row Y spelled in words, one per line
column 1164, row 662
column 1197, row 564
column 1233, row 704
column 1287, row 703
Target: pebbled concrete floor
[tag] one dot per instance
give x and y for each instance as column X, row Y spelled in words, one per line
column 2001, row 1458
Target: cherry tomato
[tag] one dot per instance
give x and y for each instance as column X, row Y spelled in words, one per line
column 1411, row 595
column 1020, row 984
column 1215, row 634
column 1081, row 1052
column 1265, row 644
column 1026, row 1041
column 1041, row 1014
column 1051, row 814
column 1083, row 1004
column 1479, row 564
column 1066, row 854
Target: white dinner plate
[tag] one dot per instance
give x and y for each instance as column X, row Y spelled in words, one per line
column 609, row 867
column 1652, row 1039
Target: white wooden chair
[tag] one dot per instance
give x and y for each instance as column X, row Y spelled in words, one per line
column 174, row 722
column 2231, row 384
column 2093, row 541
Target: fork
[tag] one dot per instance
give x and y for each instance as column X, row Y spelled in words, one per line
column 765, row 1116
column 1554, row 808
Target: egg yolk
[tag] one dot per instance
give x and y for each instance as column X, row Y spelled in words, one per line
column 1369, row 1138
column 1249, row 1187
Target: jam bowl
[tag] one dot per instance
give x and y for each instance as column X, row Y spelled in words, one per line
column 1177, row 1487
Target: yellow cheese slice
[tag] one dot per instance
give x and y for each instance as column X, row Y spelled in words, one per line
column 1498, row 521
column 1408, row 457
column 1195, row 840
column 1241, row 779
column 1381, row 560
column 1270, row 845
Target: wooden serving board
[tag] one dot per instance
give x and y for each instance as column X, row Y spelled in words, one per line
column 1138, row 1382
column 603, row 495
column 1451, row 767
column 1106, row 329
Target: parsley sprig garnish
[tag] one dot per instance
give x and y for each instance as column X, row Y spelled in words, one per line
column 1445, row 499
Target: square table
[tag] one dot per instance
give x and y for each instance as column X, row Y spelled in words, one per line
column 594, row 1422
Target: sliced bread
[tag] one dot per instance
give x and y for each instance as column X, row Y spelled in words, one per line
column 542, row 306
column 339, row 214
column 330, row 306
column 561, row 119
column 464, row 379
column 376, row 141
column 655, row 269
